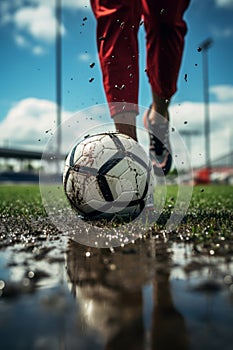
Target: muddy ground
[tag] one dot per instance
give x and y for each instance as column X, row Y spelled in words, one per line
column 164, row 291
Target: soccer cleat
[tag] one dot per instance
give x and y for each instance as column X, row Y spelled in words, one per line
column 159, row 149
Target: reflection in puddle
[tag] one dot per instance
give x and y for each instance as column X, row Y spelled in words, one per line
column 148, row 295
column 126, row 296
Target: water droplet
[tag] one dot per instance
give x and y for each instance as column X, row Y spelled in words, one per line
column 112, row 267
column 26, row 282
column 228, row 279
column 120, row 87
column 31, row 274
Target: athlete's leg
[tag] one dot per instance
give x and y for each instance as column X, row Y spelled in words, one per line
column 165, row 32
column 117, row 28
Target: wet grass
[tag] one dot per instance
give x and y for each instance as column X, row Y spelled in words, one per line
column 36, row 265
column 208, row 221
column 26, row 199
column 21, row 200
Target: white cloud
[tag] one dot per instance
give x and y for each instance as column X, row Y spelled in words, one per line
column 190, row 116
column 35, row 20
column 35, row 23
column 27, row 122
column 8, row 7
column 5, row 10
column 79, row 4
column 39, row 22
column 222, row 92
column 38, row 50
column 21, row 40
column 70, row 4
column 224, row 3
column 223, row 32
column 32, row 119
column 32, row 122
column 84, row 57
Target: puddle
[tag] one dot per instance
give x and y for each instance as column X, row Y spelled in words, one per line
column 147, row 295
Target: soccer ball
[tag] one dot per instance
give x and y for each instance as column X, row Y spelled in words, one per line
column 107, row 175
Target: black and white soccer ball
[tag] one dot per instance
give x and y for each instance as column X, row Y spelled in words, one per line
column 107, row 175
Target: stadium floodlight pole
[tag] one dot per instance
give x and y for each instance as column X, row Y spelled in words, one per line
column 58, row 75
column 205, row 45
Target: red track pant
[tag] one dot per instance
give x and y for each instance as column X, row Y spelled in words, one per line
column 117, row 40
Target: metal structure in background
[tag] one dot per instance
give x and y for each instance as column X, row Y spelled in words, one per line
column 58, row 74
column 188, row 135
column 205, row 45
column 21, row 154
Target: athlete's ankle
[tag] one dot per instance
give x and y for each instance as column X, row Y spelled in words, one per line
column 125, row 123
column 160, row 105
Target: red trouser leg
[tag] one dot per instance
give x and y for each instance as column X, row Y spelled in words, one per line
column 165, row 32
column 117, row 29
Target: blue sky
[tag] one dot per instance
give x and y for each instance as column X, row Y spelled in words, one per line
column 27, row 69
